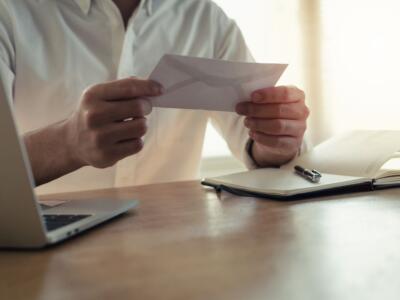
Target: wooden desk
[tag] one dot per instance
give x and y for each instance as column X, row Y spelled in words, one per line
column 186, row 243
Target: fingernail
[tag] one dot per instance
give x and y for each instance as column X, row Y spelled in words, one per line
column 246, row 122
column 257, row 97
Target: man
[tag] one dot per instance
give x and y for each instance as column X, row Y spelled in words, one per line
column 68, row 67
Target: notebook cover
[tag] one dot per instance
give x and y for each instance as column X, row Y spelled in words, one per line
column 359, row 187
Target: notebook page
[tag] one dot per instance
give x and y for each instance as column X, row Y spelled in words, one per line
column 356, row 153
column 391, row 168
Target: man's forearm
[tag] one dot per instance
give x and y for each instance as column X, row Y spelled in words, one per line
column 49, row 153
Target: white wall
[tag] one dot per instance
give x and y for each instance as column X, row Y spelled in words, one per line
column 361, row 63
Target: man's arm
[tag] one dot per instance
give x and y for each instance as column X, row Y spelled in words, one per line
column 49, row 159
column 107, row 127
column 266, row 132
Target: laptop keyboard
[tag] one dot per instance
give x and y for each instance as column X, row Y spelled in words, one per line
column 54, row 222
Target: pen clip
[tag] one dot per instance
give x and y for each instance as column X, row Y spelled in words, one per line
column 316, row 176
column 316, row 173
column 311, row 175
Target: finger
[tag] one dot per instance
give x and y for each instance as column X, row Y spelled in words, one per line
column 282, row 144
column 135, row 108
column 280, row 94
column 116, row 111
column 276, row 127
column 127, row 148
column 124, row 149
column 125, row 131
column 291, row 111
column 123, row 89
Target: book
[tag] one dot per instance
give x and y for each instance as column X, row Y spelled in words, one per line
column 355, row 161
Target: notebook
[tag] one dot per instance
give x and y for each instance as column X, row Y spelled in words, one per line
column 354, row 161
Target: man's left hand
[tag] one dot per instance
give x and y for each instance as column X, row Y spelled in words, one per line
column 277, row 120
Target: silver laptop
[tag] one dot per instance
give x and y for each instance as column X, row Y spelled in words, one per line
column 23, row 222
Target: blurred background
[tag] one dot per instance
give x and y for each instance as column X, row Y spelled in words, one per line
column 344, row 54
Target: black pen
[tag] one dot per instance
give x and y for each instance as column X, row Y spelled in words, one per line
column 311, row 175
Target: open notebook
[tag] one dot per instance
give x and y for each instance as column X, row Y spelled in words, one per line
column 355, row 161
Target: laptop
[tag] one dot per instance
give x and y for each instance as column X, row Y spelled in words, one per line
column 23, row 221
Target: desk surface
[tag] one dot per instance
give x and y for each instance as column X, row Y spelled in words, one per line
column 185, row 242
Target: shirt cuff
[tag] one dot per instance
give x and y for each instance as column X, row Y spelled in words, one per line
column 248, row 159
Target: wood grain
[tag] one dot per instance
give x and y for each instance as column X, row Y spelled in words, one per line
column 186, row 242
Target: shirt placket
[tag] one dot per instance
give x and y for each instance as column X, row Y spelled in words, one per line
column 117, row 30
column 120, row 40
column 125, row 68
column 126, row 63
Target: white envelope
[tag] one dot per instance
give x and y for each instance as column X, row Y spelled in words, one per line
column 210, row 84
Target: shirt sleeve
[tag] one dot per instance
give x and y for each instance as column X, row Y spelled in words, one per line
column 230, row 45
column 7, row 51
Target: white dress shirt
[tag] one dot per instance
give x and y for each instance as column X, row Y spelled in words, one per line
column 51, row 50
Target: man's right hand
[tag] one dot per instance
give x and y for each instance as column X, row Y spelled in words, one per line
column 110, row 122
